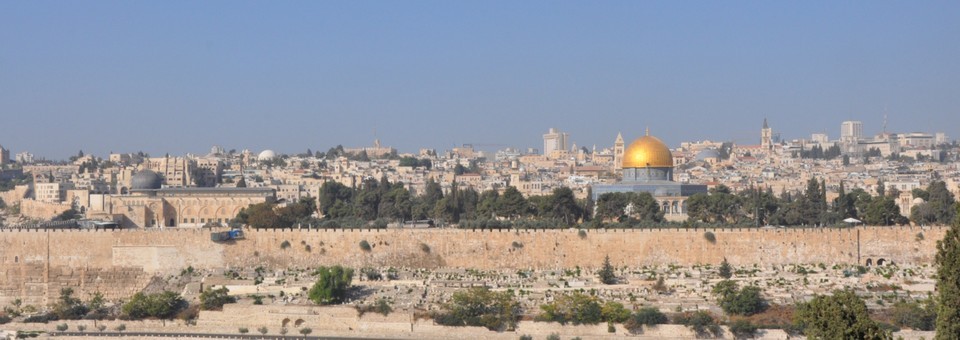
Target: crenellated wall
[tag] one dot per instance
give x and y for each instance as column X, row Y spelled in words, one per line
column 35, row 264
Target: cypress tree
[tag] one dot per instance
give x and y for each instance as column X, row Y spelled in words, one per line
column 948, row 283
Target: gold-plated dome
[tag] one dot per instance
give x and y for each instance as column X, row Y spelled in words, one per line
column 647, row 152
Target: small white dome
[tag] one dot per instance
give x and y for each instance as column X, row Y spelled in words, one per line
column 266, row 155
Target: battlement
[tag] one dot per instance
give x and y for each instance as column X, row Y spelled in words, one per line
column 30, row 257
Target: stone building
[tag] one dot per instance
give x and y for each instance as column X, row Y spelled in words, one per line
column 148, row 204
column 4, row 156
column 648, row 167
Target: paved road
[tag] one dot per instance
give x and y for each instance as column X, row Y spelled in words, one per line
column 205, row 336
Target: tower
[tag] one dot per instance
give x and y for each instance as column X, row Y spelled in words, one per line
column 554, row 140
column 4, row 156
column 766, row 136
column 618, row 152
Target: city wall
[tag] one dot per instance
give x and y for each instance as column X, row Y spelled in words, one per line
column 36, row 264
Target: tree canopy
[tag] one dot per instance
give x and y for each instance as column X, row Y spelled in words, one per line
column 331, row 286
column 842, row 315
column 948, row 282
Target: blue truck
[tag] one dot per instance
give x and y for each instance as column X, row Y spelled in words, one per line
column 223, row 236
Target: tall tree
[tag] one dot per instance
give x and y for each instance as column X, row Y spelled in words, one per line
column 948, row 282
column 511, row 204
column 842, row 315
column 563, row 206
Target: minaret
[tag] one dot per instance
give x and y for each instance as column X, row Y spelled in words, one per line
column 766, row 136
column 618, row 153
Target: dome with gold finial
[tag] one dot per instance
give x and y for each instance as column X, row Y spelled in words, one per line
column 647, row 152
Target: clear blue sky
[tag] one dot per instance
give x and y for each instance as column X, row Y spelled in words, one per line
column 180, row 76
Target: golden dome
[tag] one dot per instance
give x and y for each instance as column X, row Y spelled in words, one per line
column 647, row 152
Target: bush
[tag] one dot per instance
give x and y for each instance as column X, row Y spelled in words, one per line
column 710, row 237
column 516, row 245
column 725, row 271
column 69, row 307
column 553, row 336
column 371, row 274
column 497, row 311
column 62, row 327
column 214, row 299
column 646, row 316
column 915, row 316
column 424, row 248
column 743, row 328
column 701, row 322
column 582, row 234
column 4, row 319
column 160, row 305
column 331, row 286
column 614, row 312
column 262, row 330
column 841, row 315
column 365, row 246
column 81, row 328
column 121, row 327
column 733, row 300
column 578, row 308
column 306, row 331
column 383, row 307
column 526, row 337
column 243, row 330
column 660, row 286
column 285, row 244
column 40, row 318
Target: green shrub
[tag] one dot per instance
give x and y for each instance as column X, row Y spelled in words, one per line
column 725, row 271
column 62, row 327
column 121, row 327
column 424, row 248
column 160, row 305
column 577, row 308
column 582, row 233
column 646, row 316
column 243, row 330
column 701, row 322
column 553, row 336
column 285, row 244
column 743, row 328
column 916, row 316
column 841, row 315
column 614, row 312
column 214, row 299
column 331, row 287
column 365, row 246
column 526, row 337
column 733, row 300
column 710, row 237
column 496, row 311
column 306, row 331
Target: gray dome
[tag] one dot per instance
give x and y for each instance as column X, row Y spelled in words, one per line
column 145, row 180
column 705, row 154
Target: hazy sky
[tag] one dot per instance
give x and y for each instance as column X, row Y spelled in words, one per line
column 180, row 76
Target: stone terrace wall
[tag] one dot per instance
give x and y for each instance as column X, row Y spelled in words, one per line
column 34, row 264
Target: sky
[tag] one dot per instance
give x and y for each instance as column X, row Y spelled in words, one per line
column 181, row 76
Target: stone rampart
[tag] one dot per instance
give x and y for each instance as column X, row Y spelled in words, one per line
column 42, row 210
column 35, row 264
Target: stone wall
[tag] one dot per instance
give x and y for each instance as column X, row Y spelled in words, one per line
column 34, row 265
column 42, row 210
